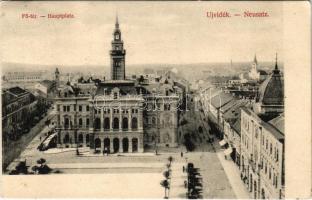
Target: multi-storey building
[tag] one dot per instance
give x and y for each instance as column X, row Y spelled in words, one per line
column 117, row 115
column 262, row 157
column 262, row 141
column 17, row 106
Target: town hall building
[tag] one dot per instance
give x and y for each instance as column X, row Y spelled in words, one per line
column 116, row 115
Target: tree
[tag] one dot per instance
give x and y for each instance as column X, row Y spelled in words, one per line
column 166, row 174
column 21, row 168
column 43, row 168
column 170, row 159
column 165, row 184
column 188, row 142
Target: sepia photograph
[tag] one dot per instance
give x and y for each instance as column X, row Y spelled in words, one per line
column 179, row 100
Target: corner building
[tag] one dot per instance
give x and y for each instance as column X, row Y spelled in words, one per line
column 117, row 115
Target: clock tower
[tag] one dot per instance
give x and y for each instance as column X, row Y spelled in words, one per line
column 117, row 54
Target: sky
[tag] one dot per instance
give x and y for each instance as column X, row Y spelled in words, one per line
column 153, row 32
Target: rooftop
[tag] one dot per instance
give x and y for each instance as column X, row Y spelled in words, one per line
column 278, row 123
column 271, row 91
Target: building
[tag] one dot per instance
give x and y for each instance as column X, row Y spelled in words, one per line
column 262, row 141
column 232, row 129
column 270, row 98
column 262, row 155
column 254, row 74
column 17, row 106
column 117, row 115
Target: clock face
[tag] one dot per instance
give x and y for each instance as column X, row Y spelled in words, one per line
column 117, row 36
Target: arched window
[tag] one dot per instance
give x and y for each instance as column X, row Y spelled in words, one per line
column 80, row 122
column 66, row 122
column 87, row 138
column 116, row 123
column 80, row 138
column 125, row 123
column 134, row 124
column 97, row 123
column 106, row 123
column 66, row 139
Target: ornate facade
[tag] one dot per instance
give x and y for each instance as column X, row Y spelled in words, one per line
column 117, row 115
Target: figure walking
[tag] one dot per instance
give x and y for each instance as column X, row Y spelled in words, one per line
column 181, row 154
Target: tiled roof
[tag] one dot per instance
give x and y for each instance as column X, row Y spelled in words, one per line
column 221, row 99
column 270, row 128
column 271, row 91
column 278, row 123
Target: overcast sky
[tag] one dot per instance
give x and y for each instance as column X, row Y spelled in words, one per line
column 153, row 32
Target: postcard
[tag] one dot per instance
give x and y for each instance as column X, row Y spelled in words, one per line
column 141, row 99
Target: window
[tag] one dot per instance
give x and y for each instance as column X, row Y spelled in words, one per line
column 270, row 173
column 270, row 148
column 266, row 144
column 80, row 108
column 58, row 107
column 68, row 108
column 276, row 154
column 80, row 122
column 64, row 108
column 134, row 124
column 87, row 122
column 115, row 95
column 87, row 108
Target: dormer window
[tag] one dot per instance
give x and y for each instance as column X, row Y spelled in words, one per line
column 115, row 95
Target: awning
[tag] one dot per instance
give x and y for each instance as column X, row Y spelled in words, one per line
column 228, row 151
column 222, row 142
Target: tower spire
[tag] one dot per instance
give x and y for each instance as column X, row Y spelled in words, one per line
column 276, row 70
column 117, row 22
column 276, row 67
column 255, row 59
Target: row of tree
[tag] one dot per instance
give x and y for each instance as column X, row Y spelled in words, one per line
column 167, row 174
column 40, row 168
column 194, row 182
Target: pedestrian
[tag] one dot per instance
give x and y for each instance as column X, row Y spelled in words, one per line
column 185, row 184
column 183, row 169
column 181, row 154
column 40, row 138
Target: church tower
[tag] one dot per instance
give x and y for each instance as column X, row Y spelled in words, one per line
column 117, row 54
column 57, row 78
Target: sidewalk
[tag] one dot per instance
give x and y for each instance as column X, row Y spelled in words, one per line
column 233, row 175
column 105, row 165
column 177, row 190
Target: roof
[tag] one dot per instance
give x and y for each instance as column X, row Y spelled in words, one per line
column 237, row 124
column 262, row 72
column 221, row 99
column 235, row 109
column 47, row 83
column 17, row 91
column 271, row 91
column 229, row 105
column 278, row 123
column 269, row 127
